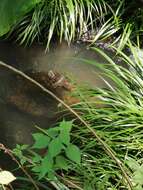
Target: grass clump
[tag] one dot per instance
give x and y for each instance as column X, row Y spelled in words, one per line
column 66, row 19
column 92, row 21
column 85, row 20
column 116, row 111
column 104, row 21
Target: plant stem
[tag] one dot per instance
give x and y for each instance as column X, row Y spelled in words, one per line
column 9, row 152
column 105, row 146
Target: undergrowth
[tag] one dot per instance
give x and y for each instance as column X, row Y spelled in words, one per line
column 46, row 21
column 69, row 156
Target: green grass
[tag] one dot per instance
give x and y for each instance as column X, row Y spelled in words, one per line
column 62, row 18
column 70, row 20
column 119, row 118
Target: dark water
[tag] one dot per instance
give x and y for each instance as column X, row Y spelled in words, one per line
column 17, row 126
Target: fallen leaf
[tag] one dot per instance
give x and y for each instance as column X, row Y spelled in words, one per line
column 6, row 177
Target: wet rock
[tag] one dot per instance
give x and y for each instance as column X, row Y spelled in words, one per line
column 26, row 106
column 30, row 99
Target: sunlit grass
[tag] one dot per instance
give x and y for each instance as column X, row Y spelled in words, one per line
column 110, row 22
column 116, row 113
column 68, row 20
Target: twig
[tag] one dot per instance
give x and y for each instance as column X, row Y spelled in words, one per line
column 106, row 147
column 9, row 152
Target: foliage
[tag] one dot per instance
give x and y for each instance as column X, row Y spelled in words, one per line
column 137, row 168
column 70, row 20
column 13, row 11
column 65, row 19
column 6, row 177
column 115, row 112
column 59, row 152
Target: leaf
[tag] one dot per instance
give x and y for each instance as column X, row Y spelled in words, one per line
column 61, row 163
column 51, row 175
column 67, row 125
column 24, row 146
column 23, row 160
column 18, row 153
column 73, row 153
column 36, row 169
column 53, row 132
column 12, row 11
column 138, row 176
column 55, row 147
column 6, row 177
column 41, row 140
column 88, row 185
column 139, row 187
column 132, row 163
column 65, row 128
column 46, row 166
column 36, row 158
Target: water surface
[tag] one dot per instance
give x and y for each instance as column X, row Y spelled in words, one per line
column 17, row 126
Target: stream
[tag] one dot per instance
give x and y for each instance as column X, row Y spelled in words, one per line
column 17, row 126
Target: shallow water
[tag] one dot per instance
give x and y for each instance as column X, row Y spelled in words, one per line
column 17, row 126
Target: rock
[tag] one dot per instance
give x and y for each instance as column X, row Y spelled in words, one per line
column 30, row 99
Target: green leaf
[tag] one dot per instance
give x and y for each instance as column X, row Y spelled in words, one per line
column 88, row 186
column 73, row 153
column 66, row 125
column 46, row 166
column 53, row 132
column 24, row 146
column 65, row 128
column 51, row 175
column 18, row 153
column 36, row 169
column 12, row 11
column 21, row 147
column 36, row 158
column 138, row 176
column 23, row 160
column 41, row 140
column 132, row 163
column 55, row 147
column 138, row 187
column 62, row 163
